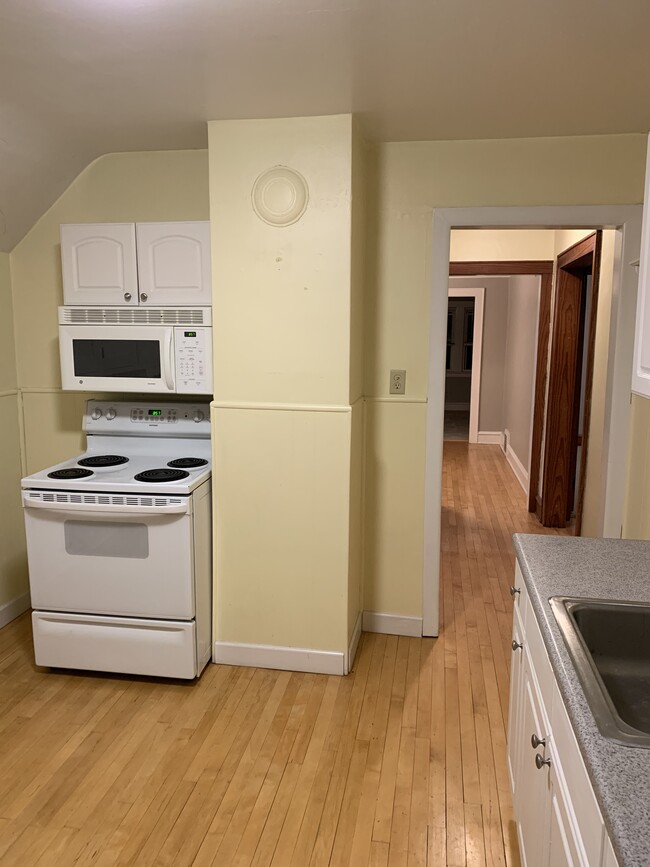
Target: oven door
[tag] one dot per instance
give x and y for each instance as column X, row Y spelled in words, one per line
column 129, row 561
column 117, row 358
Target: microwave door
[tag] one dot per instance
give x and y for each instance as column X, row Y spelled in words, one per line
column 116, row 358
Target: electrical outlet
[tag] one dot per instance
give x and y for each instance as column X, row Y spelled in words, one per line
column 398, row 382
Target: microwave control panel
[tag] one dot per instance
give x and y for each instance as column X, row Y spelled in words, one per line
column 193, row 360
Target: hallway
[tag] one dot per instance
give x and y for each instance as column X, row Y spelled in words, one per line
column 483, row 505
column 401, row 763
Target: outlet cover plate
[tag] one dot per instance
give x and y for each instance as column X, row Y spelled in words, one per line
column 397, row 382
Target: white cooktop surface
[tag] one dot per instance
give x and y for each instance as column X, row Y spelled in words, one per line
column 144, row 452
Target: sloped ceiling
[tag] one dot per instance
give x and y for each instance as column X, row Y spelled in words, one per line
column 80, row 78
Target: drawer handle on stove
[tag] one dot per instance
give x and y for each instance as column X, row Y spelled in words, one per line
column 171, row 509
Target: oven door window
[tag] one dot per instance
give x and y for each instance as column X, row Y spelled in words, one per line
column 138, row 359
column 106, row 539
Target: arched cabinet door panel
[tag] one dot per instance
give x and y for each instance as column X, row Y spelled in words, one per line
column 99, row 264
column 174, row 264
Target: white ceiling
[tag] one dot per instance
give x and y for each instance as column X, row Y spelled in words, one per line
column 80, row 78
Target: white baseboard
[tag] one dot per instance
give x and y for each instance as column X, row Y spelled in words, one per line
column 283, row 658
column 14, row 608
column 517, row 467
column 392, row 624
column 352, row 647
column 491, row 437
column 457, row 407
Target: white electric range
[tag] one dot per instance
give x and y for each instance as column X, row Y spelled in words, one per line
column 119, row 544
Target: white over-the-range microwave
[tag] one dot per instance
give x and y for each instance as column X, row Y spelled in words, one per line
column 164, row 349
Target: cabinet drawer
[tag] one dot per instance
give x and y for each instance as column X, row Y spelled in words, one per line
column 162, row 648
column 573, row 778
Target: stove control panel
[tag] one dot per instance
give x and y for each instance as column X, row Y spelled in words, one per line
column 147, row 419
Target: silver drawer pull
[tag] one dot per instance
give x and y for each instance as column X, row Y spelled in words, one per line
column 540, row 762
column 514, row 591
column 516, row 645
column 537, row 742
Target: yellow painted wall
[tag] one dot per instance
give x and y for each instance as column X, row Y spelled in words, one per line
column 288, row 323
column 8, row 379
column 282, row 294
column 497, row 245
column 13, row 566
column 409, row 180
column 281, row 527
column 151, row 186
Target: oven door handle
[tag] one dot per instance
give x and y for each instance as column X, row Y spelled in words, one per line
column 107, row 508
column 168, row 359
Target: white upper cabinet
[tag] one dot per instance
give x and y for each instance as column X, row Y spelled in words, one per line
column 174, row 263
column 99, row 263
column 641, row 371
column 157, row 264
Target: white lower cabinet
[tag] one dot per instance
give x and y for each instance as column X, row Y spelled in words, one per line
column 558, row 820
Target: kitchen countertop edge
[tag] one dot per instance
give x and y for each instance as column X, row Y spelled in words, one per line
column 604, row 569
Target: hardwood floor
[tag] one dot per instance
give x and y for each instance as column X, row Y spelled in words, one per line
column 401, row 763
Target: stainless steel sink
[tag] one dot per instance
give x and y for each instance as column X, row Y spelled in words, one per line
column 609, row 643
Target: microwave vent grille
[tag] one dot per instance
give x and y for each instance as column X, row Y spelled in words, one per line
column 132, row 316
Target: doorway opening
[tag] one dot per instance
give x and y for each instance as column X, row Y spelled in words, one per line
column 463, row 363
column 626, row 221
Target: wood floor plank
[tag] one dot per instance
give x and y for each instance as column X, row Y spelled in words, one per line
column 401, row 763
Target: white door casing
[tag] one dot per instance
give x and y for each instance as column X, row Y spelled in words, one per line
column 627, row 220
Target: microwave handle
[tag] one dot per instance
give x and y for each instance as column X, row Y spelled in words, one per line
column 168, row 359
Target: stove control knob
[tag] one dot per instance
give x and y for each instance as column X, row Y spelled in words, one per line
column 110, row 414
column 96, row 413
column 198, row 415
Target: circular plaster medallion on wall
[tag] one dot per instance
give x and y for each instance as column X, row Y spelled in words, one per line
column 280, row 196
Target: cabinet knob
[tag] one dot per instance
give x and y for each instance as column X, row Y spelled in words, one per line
column 514, row 591
column 537, row 742
column 127, row 296
column 517, row 645
column 143, row 296
column 540, row 761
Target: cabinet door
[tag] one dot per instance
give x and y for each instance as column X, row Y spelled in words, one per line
column 99, row 264
column 516, row 696
column 532, row 784
column 562, row 847
column 174, row 264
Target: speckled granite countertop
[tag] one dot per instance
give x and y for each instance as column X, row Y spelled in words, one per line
column 603, row 569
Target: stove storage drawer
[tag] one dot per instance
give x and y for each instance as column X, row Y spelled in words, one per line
column 115, row 562
column 116, row 644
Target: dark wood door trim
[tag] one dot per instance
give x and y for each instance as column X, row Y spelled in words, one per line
column 500, row 269
column 591, row 352
column 539, row 397
column 564, row 385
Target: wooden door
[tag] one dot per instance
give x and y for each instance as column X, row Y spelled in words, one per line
column 174, row 264
column 99, row 264
column 564, row 383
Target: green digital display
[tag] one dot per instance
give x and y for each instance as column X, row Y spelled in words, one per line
column 190, row 333
column 155, row 412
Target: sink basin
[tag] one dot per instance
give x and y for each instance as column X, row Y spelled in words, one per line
column 609, row 643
